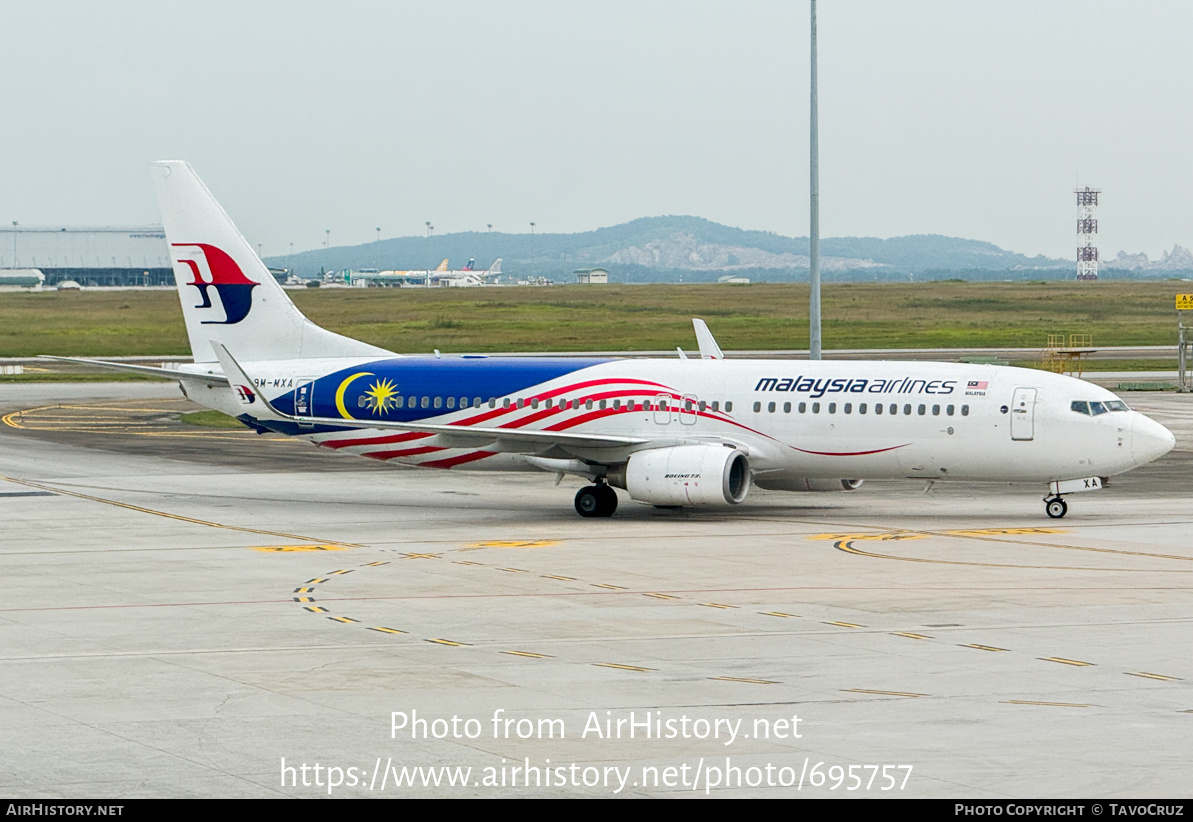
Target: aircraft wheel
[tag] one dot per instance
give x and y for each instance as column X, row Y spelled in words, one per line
column 608, row 500
column 596, row 501
column 1056, row 507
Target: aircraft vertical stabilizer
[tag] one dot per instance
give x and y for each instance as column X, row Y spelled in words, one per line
column 228, row 295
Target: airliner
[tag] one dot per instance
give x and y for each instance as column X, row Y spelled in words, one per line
column 440, row 277
column 668, row 432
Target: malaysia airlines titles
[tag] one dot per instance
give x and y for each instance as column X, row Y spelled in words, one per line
column 817, row 388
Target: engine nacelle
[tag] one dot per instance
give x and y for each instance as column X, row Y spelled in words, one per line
column 685, row 475
column 803, row 484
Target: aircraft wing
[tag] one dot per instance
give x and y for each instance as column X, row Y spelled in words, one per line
column 709, row 350
column 165, row 373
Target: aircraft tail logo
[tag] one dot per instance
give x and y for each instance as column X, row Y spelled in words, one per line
column 235, row 290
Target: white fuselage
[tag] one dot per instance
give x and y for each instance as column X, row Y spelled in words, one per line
column 795, row 419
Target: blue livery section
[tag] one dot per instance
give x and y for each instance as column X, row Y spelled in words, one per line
column 406, row 389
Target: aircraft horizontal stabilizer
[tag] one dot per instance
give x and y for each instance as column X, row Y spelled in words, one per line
column 129, row 368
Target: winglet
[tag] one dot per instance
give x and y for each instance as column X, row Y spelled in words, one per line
column 709, row 350
column 252, row 401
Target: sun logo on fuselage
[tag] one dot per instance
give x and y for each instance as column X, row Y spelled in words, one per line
column 382, row 396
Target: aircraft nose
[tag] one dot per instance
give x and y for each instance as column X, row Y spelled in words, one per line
column 1149, row 439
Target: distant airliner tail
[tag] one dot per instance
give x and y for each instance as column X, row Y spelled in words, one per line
column 228, row 295
column 496, row 267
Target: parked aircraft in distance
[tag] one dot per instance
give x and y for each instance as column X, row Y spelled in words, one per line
column 441, row 277
column 670, row 432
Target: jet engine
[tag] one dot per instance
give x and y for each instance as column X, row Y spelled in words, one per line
column 685, row 475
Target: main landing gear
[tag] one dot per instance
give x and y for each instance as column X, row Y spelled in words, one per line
column 596, row 501
column 1055, row 507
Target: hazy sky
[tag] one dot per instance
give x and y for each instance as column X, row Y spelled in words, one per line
column 970, row 119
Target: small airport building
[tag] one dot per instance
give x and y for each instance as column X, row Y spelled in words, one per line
column 592, row 276
column 89, row 255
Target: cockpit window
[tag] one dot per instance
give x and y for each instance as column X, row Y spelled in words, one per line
column 1095, row 408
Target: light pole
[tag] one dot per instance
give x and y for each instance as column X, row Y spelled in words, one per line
column 814, row 197
column 378, row 234
column 490, row 225
column 327, row 240
column 429, row 228
column 532, row 245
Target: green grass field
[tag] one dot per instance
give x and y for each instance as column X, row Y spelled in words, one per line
column 627, row 318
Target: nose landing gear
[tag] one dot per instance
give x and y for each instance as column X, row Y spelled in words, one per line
column 596, row 501
column 1055, row 507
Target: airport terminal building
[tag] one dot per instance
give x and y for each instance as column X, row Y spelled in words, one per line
column 89, row 255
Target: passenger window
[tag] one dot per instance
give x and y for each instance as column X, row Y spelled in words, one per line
column 588, row 405
column 757, row 407
column 895, row 409
column 687, row 405
column 492, row 402
column 878, row 408
column 702, row 405
column 861, row 409
column 786, row 408
column 426, row 403
column 476, row 402
column 770, row 407
column 803, row 407
column 1080, row 406
column 451, row 402
column 848, row 408
column 439, row 402
column 936, row 410
column 534, row 403
column 602, row 405
column 965, row 410
column 907, row 410
column 950, row 410
column 728, row 406
column 815, row 408
column 832, row 408
column 362, row 401
column 921, row 410
column 505, row 403
column 716, row 405
column 617, row 405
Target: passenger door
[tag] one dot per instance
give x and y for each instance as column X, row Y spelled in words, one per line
column 1023, row 414
column 304, row 398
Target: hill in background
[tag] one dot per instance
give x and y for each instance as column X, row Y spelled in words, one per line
column 691, row 249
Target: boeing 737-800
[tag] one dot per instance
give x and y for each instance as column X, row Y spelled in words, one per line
column 669, row 432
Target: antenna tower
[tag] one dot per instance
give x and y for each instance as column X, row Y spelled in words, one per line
column 1087, row 232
